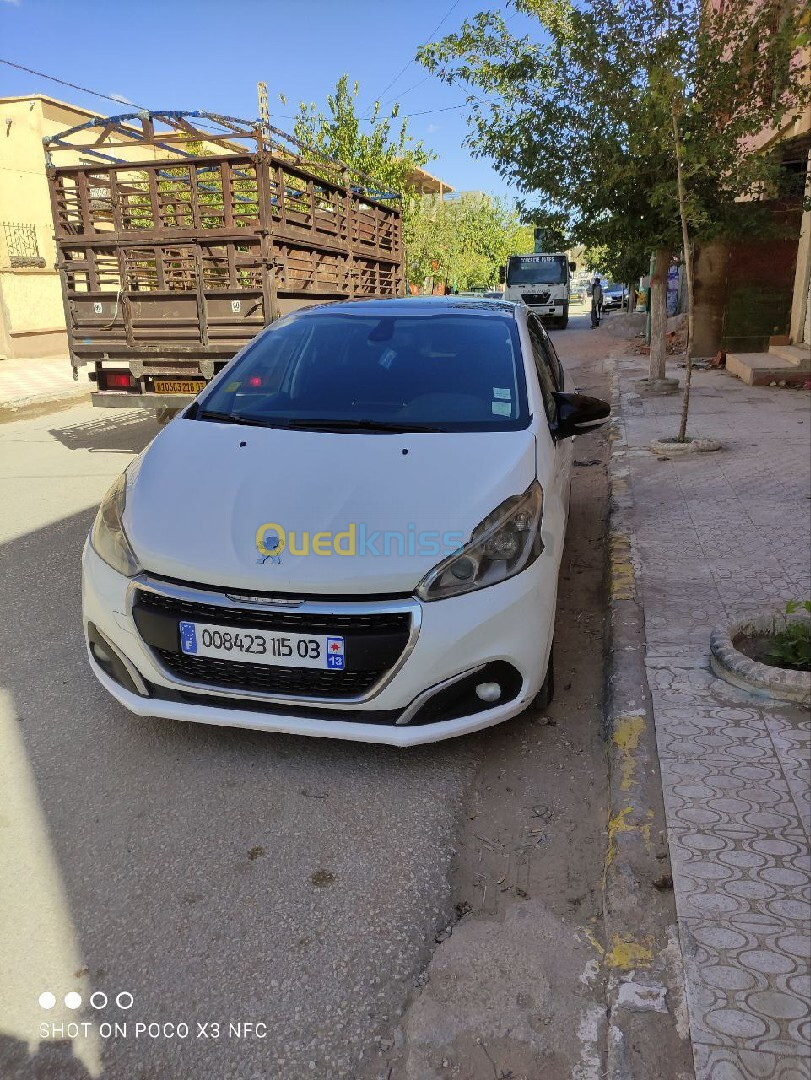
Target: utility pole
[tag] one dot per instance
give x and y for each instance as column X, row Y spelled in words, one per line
column 264, row 111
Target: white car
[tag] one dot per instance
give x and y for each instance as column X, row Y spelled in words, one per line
column 355, row 530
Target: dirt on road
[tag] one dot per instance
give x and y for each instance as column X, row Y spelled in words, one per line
column 515, row 988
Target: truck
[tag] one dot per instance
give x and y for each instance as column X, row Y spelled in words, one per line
column 180, row 235
column 541, row 280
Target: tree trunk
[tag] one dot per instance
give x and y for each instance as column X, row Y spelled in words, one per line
column 658, row 313
column 688, row 270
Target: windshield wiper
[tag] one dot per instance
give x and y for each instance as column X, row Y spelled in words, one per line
column 358, row 425
column 316, row 424
column 231, row 418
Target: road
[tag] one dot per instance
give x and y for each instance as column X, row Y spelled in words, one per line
column 230, row 878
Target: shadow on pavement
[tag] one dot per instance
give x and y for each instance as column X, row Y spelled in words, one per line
column 185, row 862
column 53, row 1061
column 127, row 432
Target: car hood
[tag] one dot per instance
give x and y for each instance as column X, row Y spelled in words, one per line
column 200, row 493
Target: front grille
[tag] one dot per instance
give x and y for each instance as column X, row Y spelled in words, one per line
column 374, row 642
column 267, row 679
column 296, row 622
column 536, row 298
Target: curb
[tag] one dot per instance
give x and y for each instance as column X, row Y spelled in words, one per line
column 37, row 404
column 648, row 1033
column 780, row 684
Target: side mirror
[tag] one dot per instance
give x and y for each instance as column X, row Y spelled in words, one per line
column 572, row 267
column 502, row 274
column 578, row 414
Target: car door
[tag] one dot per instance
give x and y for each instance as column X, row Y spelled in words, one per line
column 551, row 379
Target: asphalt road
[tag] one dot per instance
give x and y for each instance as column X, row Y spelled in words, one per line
column 211, row 877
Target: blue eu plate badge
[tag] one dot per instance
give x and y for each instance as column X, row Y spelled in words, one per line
column 188, row 637
column 335, row 653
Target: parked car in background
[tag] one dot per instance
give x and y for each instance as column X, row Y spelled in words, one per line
column 614, row 297
column 355, row 530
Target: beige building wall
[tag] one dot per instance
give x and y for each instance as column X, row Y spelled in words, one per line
column 32, row 320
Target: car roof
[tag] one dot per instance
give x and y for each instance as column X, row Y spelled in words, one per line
column 418, row 305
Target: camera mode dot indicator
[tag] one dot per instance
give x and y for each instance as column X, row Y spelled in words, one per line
column 73, row 1000
column 47, row 1000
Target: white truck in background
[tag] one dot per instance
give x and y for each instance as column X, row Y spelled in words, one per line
column 543, row 282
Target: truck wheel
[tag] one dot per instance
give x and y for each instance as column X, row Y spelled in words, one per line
column 564, row 322
column 163, row 416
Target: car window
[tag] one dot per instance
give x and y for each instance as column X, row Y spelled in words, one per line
column 536, row 270
column 452, row 371
column 556, row 366
column 543, row 365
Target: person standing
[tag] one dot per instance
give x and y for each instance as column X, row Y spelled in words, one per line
column 596, row 302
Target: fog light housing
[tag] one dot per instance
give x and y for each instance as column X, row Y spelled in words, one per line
column 113, row 664
column 462, row 697
column 488, row 691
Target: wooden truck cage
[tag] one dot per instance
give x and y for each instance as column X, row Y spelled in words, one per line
column 181, row 234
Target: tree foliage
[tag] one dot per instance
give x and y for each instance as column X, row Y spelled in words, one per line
column 637, row 119
column 460, row 243
column 381, row 149
column 463, row 243
column 582, row 113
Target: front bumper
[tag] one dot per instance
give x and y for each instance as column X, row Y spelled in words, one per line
column 448, row 643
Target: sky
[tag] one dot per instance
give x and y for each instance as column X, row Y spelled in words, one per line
column 210, row 54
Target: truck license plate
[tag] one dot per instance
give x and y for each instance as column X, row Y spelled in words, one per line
column 178, row 386
column 261, row 647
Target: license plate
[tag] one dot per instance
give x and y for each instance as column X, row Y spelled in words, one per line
column 262, row 647
column 177, row 386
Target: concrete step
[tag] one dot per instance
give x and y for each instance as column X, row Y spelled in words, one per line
column 760, row 369
column 796, row 354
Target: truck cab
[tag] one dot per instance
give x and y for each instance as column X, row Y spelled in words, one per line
column 542, row 281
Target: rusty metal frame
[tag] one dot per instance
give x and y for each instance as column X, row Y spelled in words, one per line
column 186, row 256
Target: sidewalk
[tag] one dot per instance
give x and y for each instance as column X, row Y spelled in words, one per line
column 715, row 536
column 26, row 384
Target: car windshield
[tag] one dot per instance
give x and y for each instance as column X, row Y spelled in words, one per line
column 335, row 371
column 536, row 270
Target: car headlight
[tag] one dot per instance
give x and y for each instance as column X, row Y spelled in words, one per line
column 504, row 544
column 107, row 535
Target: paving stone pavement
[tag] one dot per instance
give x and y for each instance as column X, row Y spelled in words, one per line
column 719, row 536
column 21, row 380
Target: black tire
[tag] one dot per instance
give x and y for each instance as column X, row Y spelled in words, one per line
column 564, row 322
column 543, row 699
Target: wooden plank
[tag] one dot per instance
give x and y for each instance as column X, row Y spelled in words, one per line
column 227, row 195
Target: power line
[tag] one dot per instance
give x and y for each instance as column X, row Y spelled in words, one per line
column 404, row 116
column 412, row 87
column 64, row 82
column 285, row 116
column 444, row 18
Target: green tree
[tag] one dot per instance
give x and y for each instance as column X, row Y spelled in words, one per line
column 376, row 147
column 634, row 118
column 463, row 242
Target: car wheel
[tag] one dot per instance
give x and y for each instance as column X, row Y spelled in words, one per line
column 547, row 692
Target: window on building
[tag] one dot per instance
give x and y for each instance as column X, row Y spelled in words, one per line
column 21, row 244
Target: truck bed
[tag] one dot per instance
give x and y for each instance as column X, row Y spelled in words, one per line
column 170, row 266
